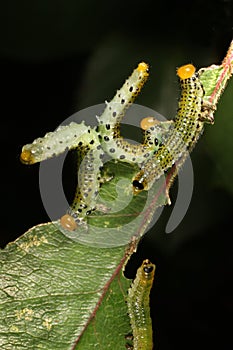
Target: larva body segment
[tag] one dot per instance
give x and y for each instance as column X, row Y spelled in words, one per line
column 115, row 109
column 181, row 137
column 138, row 302
column 65, row 137
column 88, row 185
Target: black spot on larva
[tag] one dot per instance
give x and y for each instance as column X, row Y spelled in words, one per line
column 122, row 156
column 148, row 269
column 112, row 150
column 88, row 131
column 138, row 185
column 114, row 114
column 156, row 142
column 107, row 126
column 97, row 128
column 80, row 210
column 48, row 147
column 131, row 89
column 106, row 138
column 60, row 141
column 122, row 101
column 92, row 142
column 88, row 212
column 80, row 143
column 98, row 147
column 83, row 206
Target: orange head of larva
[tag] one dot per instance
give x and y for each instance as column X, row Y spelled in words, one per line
column 185, row 72
column 148, row 122
column 143, row 67
column 68, row 222
column 26, row 157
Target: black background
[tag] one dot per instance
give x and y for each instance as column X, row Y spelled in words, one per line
column 45, row 54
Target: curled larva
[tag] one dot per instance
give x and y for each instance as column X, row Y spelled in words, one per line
column 138, row 302
column 181, row 137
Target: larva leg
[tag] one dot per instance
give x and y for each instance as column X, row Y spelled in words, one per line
column 138, row 302
column 207, row 113
column 181, row 138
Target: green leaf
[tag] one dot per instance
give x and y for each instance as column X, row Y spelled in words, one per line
column 51, row 287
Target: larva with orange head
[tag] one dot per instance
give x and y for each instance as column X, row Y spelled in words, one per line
column 109, row 122
column 182, row 136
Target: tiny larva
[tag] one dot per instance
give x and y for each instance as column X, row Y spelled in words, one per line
column 93, row 142
column 183, row 133
column 138, row 302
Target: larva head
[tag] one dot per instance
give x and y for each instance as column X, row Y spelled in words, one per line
column 143, row 67
column 148, row 269
column 139, row 184
column 68, row 222
column 185, row 72
column 26, row 157
column 148, row 122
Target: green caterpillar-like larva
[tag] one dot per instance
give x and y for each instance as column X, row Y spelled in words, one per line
column 182, row 136
column 138, row 302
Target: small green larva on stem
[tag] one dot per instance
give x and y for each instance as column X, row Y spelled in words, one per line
column 138, row 302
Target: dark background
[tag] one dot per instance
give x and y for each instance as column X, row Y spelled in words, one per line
column 57, row 57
